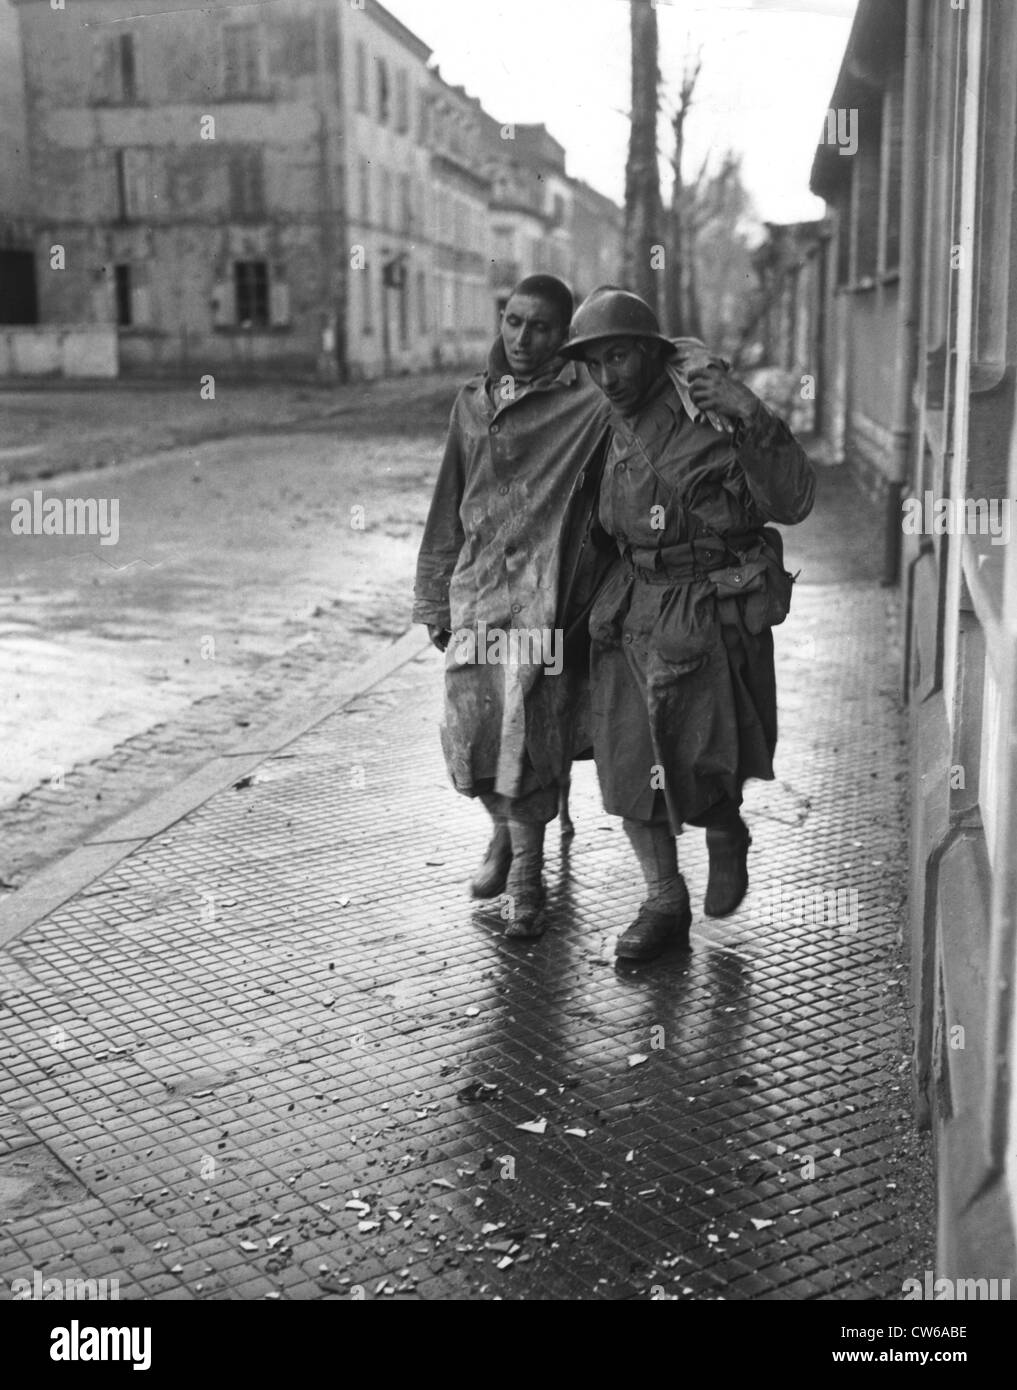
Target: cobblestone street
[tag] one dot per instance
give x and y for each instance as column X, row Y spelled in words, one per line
column 258, row 1043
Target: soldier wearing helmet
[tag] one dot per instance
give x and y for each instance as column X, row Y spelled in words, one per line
column 683, row 686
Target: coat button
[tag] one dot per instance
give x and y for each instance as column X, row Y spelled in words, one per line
column 619, row 468
column 628, row 637
column 503, row 490
column 517, row 608
column 495, row 429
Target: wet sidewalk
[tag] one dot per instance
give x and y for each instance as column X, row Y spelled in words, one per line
column 273, row 1050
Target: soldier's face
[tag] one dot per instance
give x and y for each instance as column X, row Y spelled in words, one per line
column 624, row 369
column 531, row 333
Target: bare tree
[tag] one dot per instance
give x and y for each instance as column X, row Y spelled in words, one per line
column 643, row 207
column 683, row 315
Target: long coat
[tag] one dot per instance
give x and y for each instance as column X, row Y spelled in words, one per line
column 683, row 689
column 508, row 545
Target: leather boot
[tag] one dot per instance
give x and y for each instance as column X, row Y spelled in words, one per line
column 665, row 918
column 655, row 929
column 489, row 880
column 729, row 871
column 524, row 888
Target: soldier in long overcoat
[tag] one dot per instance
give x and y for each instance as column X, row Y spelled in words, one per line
column 505, row 579
column 683, row 687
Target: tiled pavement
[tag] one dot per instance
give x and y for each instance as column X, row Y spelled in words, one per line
column 276, row 1051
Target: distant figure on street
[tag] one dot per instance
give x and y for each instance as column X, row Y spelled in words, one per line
column 505, row 579
column 683, row 689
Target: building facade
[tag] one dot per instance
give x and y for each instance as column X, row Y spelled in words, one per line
column 919, row 330
column 543, row 221
column 18, row 294
column 597, row 232
column 284, row 187
column 385, row 115
column 461, row 227
column 189, row 164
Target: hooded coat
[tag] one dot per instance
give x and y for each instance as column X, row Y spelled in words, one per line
column 509, row 546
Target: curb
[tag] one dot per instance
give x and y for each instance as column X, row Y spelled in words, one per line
column 65, row 877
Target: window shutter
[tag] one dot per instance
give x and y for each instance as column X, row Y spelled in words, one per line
column 278, row 298
column 141, row 296
column 102, row 69
column 224, row 304
column 136, row 182
column 103, row 297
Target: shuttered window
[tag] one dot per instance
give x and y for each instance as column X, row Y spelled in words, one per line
column 250, row 282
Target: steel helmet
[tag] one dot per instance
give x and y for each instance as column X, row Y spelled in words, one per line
column 612, row 313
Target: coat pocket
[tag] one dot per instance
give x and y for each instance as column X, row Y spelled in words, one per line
column 687, row 629
column 607, row 615
column 761, row 581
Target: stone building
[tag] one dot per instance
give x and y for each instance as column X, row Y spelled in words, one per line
column 598, row 230
column 461, row 227
column 544, row 221
column 236, row 189
column 384, row 115
column 284, row 187
column 18, row 298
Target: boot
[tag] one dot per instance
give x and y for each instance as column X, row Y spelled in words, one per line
column 664, row 919
column 489, row 880
column 728, row 883
column 654, row 930
column 524, row 888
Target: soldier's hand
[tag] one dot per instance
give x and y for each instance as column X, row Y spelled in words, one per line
column 711, row 388
column 440, row 636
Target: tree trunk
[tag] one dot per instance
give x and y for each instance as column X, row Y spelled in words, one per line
column 682, row 315
column 643, row 209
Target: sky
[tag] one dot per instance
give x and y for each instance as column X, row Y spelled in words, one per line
column 768, row 73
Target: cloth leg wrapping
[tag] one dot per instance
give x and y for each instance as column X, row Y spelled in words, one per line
column 657, row 853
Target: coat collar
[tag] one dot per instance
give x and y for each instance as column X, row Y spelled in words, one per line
column 559, row 369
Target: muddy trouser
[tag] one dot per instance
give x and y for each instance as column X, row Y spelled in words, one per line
column 537, row 807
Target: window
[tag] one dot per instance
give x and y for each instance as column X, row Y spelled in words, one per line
column 241, row 60
column 365, row 189
column 405, row 204
column 384, row 96
column 127, row 68
column 423, row 121
column 362, row 79
column 422, row 301
column 385, row 200
column 131, row 172
column 250, row 282
column 893, row 146
column 402, row 101
column 247, row 184
column 404, row 311
column 366, row 300
column 115, row 69
column 122, row 294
